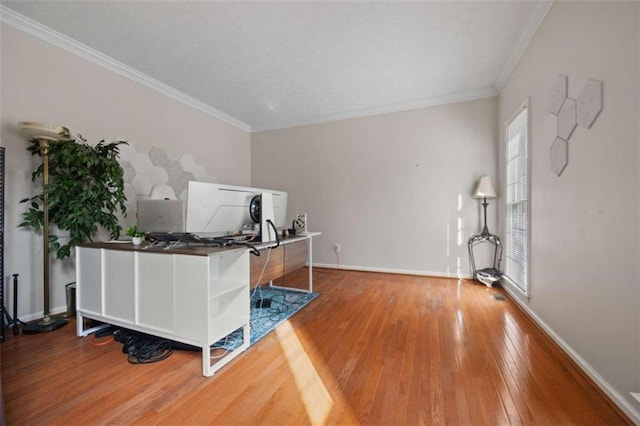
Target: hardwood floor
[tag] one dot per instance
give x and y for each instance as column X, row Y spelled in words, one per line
column 372, row 349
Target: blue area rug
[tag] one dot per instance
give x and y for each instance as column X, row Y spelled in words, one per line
column 270, row 307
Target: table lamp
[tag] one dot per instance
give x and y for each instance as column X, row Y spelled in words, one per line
column 45, row 134
column 485, row 190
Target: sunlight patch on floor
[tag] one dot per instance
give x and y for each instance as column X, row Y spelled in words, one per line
column 314, row 394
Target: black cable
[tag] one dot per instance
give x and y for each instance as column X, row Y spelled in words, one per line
column 254, row 251
column 275, row 231
column 275, row 313
column 148, row 352
column 142, row 348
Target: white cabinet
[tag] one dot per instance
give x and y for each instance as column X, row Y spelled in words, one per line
column 195, row 298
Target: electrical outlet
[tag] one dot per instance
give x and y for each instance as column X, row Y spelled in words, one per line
column 336, row 248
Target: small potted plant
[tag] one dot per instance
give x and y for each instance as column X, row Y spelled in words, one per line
column 136, row 235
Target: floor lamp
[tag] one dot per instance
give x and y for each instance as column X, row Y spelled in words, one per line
column 45, row 134
column 485, row 190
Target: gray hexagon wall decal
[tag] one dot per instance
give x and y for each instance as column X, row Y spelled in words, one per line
column 559, row 155
column 128, row 173
column 589, row 103
column 158, row 157
column 558, row 93
column 567, row 119
column 143, row 172
column 141, row 163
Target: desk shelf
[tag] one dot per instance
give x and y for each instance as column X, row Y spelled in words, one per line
column 227, row 272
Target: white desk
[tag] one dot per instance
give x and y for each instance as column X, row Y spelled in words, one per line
column 194, row 295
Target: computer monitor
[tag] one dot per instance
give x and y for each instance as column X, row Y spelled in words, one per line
column 215, row 210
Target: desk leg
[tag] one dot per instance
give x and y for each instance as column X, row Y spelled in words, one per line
column 309, row 289
column 246, row 335
column 79, row 325
column 80, row 330
column 208, row 369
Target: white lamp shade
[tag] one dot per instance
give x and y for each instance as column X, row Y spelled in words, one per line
column 36, row 130
column 485, row 188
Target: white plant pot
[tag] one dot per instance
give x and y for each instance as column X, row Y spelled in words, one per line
column 137, row 241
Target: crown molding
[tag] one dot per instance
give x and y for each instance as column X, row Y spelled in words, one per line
column 384, row 109
column 531, row 28
column 29, row 26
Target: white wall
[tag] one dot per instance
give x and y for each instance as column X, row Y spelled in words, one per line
column 394, row 189
column 584, row 224
column 41, row 82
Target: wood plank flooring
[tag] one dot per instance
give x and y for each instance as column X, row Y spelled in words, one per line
column 372, row 349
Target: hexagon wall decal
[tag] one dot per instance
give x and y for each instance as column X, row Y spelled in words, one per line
column 187, row 162
column 144, row 172
column 559, row 155
column 159, row 176
column 127, row 152
column 142, row 184
column 570, row 113
column 589, row 103
column 559, row 93
column 567, row 119
column 128, row 173
column 141, row 163
column 158, row 157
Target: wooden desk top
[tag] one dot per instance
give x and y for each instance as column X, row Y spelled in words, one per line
column 190, row 249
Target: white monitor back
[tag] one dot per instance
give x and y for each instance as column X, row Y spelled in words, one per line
column 215, row 210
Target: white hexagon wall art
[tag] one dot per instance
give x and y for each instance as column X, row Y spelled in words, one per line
column 141, row 164
column 558, row 93
column 589, row 103
column 567, row 119
column 127, row 152
column 143, row 171
column 187, row 162
column 128, row 172
column 159, row 176
column 569, row 114
column 559, row 155
column 142, row 184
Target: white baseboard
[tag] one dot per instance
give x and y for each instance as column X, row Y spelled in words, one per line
column 615, row 396
column 393, row 271
column 38, row 315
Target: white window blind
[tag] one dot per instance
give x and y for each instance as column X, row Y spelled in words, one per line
column 517, row 200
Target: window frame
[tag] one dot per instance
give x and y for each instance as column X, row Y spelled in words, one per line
column 525, row 105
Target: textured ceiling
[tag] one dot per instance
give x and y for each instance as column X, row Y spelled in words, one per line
column 279, row 64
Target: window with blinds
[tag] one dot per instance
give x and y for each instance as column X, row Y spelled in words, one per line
column 517, row 200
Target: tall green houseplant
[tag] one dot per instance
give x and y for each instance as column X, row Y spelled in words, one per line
column 85, row 191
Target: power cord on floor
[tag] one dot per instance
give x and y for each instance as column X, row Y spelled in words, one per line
column 142, row 348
